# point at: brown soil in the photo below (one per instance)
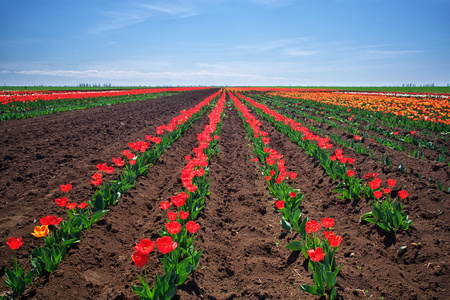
(244, 255)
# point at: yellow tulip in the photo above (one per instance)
(40, 231)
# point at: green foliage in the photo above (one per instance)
(388, 215)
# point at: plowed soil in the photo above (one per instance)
(244, 255)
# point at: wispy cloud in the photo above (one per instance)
(376, 54)
(299, 52)
(128, 13)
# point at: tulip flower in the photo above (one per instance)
(71, 205)
(145, 246)
(14, 243)
(40, 231)
(312, 226)
(172, 215)
(166, 244)
(328, 222)
(403, 194)
(255, 159)
(293, 195)
(82, 205)
(192, 227)
(334, 240)
(139, 259)
(386, 191)
(391, 182)
(61, 201)
(184, 215)
(350, 173)
(377, 194)
(179, 199)
(50, 220)
(173, 227)
(292, 175)
(316, 255)
(118, 161)
(66, 188)
(279, 204)
(164, 205)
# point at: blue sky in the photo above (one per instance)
(225, 42)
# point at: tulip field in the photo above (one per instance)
(231, 193)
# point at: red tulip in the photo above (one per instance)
(82, 205)
(350, 173)
(184, 215)
(14, 243)
(118, 161)
(164, 205)
(109, 170)
(187, 157)
(61, 202)
(50, 220)
(375, 184)
(391, 182)
(377, 194)
(326, 234)
(71, 205)
(312, 226)
(386, 191)
(166, 244)
(145, 246)
(293, 195)
(403, 194)
(328, 222)
(255, 159)
(192, 227)
(179, 199)
(316, 255)
(334, 240)
(173, 227)
(172, 215)
(279, 204)
(139, 259)
(66, 188)
(272, 172)
(292, 175)
(132, 162)
(350, 160)
(96, 179)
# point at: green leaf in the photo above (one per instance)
(285, 224)
(99, 204)
(294, 246)
(97, 215)
(309, 289)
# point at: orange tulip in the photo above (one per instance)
(40, 231)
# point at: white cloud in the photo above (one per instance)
(129, 13)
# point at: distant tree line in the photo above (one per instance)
(422, 85)
(84, 85)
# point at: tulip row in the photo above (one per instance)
(177, 238)
(24, 105)
(321, 255)
(274, 169)
(82, 216)
(387, 216)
